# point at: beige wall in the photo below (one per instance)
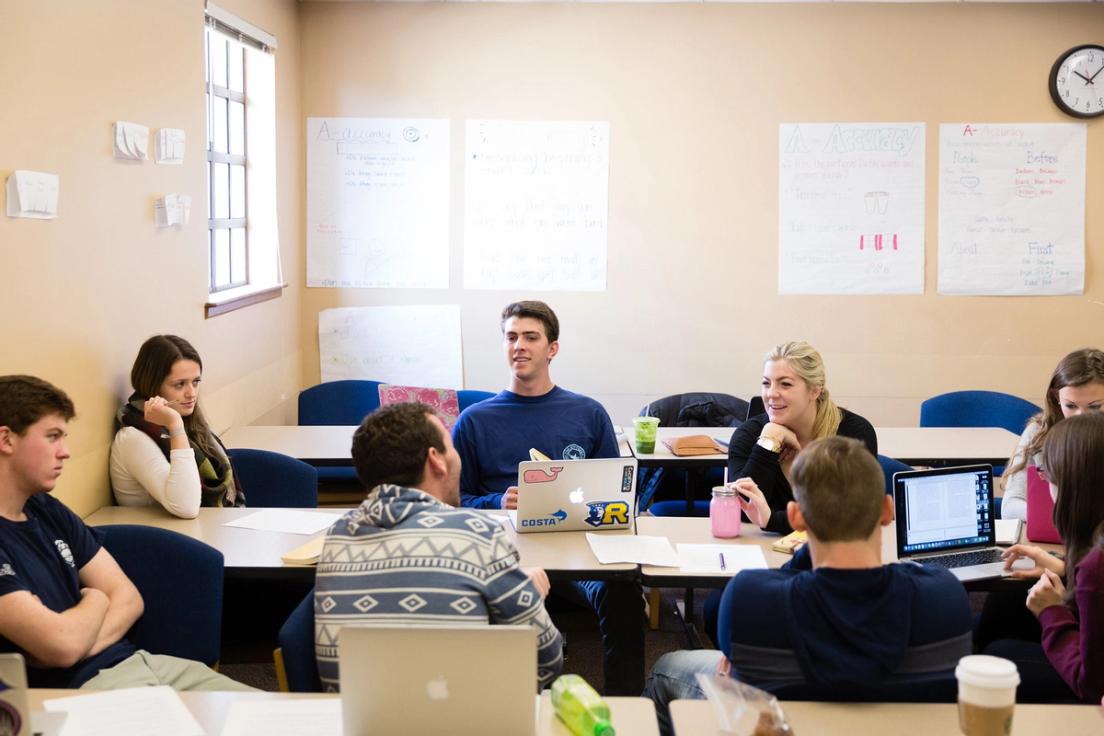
(694, 95)
(80, 293)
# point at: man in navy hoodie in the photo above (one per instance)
(833, 621)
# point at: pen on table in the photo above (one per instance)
(721, 555)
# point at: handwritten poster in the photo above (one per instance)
(409, 345)
(377, 203)
(535, 205)
(1011, 208)
(851, 208)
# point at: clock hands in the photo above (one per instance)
(1087, 80)
(1101, 69)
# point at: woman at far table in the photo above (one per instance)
(798, 411)
(164, 452)
(1076, 387)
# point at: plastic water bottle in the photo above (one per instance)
(580, 708)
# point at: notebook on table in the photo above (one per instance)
(1040, 509)
(422, 680)
(576, 495)
(945, 519)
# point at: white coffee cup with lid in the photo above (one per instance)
(986, 695)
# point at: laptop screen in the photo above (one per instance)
(944, 509)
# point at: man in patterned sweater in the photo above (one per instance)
(408, 555)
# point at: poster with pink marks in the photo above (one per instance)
(851, 208)
(1012, 208)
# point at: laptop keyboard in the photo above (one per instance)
(963, 559)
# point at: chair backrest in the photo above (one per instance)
(271, 479)
(469, 396)
(180, 580)
(755, 407)
(936, 687)
(889, 467)
(338, 402)
(697, 409)
(977, 409)
(296, 640)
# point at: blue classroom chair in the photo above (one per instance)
(271, 479)
(977, 409)
(467, 397)
(183, 600)
(343, 403)
(296, 666)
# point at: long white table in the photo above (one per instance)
(629, 715)
(946, 445)
(696, 718)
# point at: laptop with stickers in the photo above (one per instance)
(576, 495)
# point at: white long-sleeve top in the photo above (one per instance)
(141, 476)
(1014, 503)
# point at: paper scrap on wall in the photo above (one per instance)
(1011, 208)
(130, 140)
(173, 209)
(170, 146)
(536, 204)
(409, 345)
(851, 208)
(377, 202)
(32, 194)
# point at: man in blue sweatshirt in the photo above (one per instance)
(495, 435)
(833, 621)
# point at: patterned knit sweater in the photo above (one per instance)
(403, 557)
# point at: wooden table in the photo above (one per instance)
(248, 552)
(663, 457)
(695, 718)
(939, 446)
(316, 445)
(630, 715)
(564, 555)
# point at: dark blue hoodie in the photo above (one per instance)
(843, 629)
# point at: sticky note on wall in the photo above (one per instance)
(33, 194)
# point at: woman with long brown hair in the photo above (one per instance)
(1076, 387)
(164, 451)
(1071, 612)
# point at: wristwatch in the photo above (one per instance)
(770, 443)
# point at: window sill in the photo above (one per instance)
(233, 299)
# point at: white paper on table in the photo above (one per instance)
(378, 203)
(317, 716)
(138, 711)
(288, 521)
(1012, 208)
(707, 558)
(643, 550)
(416, 345)
(851, 208)
(536, 204)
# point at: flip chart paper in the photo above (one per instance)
(410, 345)
(1011, 208)
(851, 208)
(377, 202)
(535, 205)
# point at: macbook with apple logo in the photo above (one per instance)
(576, 495)
(457, 680)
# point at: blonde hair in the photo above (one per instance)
(809, 367)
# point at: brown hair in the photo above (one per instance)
(839, 486)
(809, 366)
(26, 399)
(391, 444)
(154, 363)
(535, 310)
(1079, 368)
(1073, 458)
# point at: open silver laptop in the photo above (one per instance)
(945, 519)
(576, 495)
(456, 680)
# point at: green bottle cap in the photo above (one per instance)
(603, 728)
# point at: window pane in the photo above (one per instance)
(218, 124)
(207, 56)
(210, 188)
(236, 79)
(237, 128)
(237, 256)
(222, 190)
(222, 259)
(218, 59)
(237, 191)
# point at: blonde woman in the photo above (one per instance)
(798, 411)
